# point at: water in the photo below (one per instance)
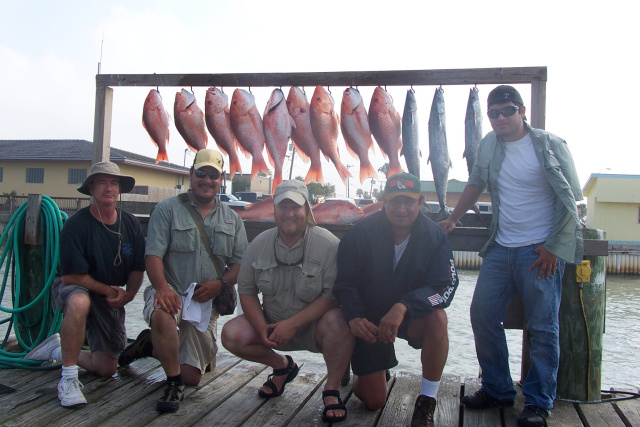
(621, 339)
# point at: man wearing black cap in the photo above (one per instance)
(101, 267)
(535, 229)
(293, 265)
(395, 278)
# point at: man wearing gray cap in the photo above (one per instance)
(183, 270)
(101, 267)
(294, 266)
(535, 230)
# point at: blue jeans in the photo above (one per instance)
(505, 272)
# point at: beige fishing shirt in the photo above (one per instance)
(287, 290)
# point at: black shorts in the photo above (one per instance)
(369, 358)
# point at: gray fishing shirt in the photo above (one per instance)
(173, 236)
(565, 239)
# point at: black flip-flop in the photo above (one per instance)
(334, 406)
(291, 371)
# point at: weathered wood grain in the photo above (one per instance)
(402, 397)
(474, 417)
(564, 414)
(448, 409)
(601, 415)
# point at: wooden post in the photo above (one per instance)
(32, 273)
(582, 328)
(102, 124)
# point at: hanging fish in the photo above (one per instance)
(246, 124)
(337, 212)
(355, 130)
(189, 120)
(439, 152)
(410, 141)
(217, 118)
(155, 120)
(324, 124)
(302, 135)
(386, 127)
(258, 211)
(277, 132)
(472, 128)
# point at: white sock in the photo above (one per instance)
(70, 372)
(430, 388)
(56, 354)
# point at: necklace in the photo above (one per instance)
(118, 259)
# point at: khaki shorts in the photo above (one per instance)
(105, 330)
(197, 348)
(304, 339)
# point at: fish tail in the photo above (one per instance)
(342, 170)
(162, 156)
(234, 165)
(277, 180)
(314, 174)
(258, 165)
(367, 170)
(394, 167)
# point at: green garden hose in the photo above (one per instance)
(48, 319)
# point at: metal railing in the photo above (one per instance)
(70, 205)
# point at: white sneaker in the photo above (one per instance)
(44, 349)
(70, 394)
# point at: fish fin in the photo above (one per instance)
(162, 156)
(394, 167)
(303, 156)
(442, 215)
(234, 165)
(428, 159)
(244, 151)
(258, 165)
(351, 152)
(342, 171)
(367, 171)
(271, 161)
(314, 174)
(277, 180)
(450, 164)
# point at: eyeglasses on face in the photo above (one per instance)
(201, 174)
(506, 112)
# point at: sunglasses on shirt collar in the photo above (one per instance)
(201, 174)
(506, 112)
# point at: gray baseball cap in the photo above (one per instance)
(297, 192)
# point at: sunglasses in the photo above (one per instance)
(506, 112)
(201, 174)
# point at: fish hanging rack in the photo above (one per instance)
(105, 83)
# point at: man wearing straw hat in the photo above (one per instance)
(101, 267)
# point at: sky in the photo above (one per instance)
(49, 55)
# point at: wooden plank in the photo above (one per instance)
(102, 124)
(280, 411)
(538, 103)
(478, 417)
(628, 410)
(448, 409)
(600, 415)
(400, 401)
(468, 76)
(311, 413)
(510, 415)
(32, 220)
(204, 400)
(564, 414)
(595, 247)
(31, 392)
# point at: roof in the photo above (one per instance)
(594, 176)
(74, 150)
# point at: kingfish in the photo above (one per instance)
(324, 125)
(386, 127)
(355, 130)
(472, 128)
(155, 120)
(218, 120)
(246, 124)
(410, 141)
(277, 132)
(439, 152)
(189, 120)
(302, 135)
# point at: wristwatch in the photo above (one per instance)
(224, 282)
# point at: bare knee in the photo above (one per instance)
(78, 305)
(105, 371)
(190, 375)
(333, 324)
(371, 390)
(236, 334)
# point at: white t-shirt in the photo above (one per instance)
(400, 250)
(526, 197)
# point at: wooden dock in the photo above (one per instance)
(228, 397)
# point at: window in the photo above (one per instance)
(35, 175)
(0, 174)
(76, 176)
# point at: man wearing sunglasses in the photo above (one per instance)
(181, 270)
(535, 229)
(294, 266)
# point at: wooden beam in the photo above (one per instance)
(102, 124)
(538, 103)
(468, 76)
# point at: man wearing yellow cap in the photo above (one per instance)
(293, 265)
(181, 272)
(395, 277)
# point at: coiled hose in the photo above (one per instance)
(47, 319)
